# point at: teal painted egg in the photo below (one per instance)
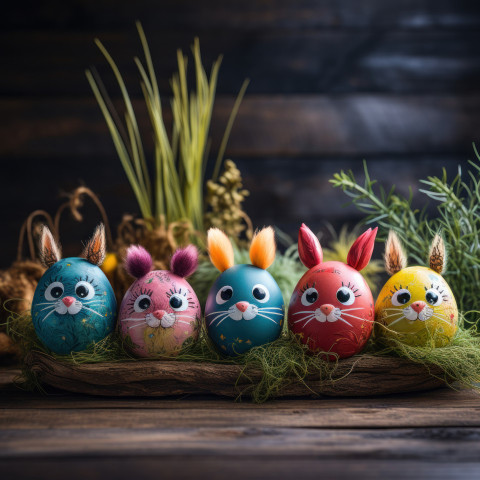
(73, 306)
(244, 309)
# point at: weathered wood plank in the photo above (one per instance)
(448, 444)
(248, 14)
(309, 125)
(289, 416)
(233, 467)
(278, 62)
(441, 399)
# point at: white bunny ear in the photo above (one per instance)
(50, 251)
(438, 255)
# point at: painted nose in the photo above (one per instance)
(327, 309)
(418, 306)
(242, 306)
(159, 314)
(67, 301)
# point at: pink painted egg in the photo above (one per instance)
(160, 312)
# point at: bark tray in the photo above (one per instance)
(364, 375)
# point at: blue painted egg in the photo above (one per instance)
(73, 306)
(244, 309)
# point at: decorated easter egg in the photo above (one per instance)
(331, 310)
(74, 305)
(416, 305)
(245, 305)
(160, 312)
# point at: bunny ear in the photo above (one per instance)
(309, 248)
(361, 251)
(220, 249)
(263, 248)
(438, 255)
(395, 258)
(138, 262)
(50, 251)
(184, 261)
(95, 250)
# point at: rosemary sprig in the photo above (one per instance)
(457, 218)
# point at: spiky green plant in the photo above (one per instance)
(175, 192)
(457, 217)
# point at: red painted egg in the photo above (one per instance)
(332, 307)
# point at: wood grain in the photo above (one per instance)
(234, 467)
(406, 444)
(277, 62)
(356, 376)
(196, 416)
(245, 15)
(309, 125)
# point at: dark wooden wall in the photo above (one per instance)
(332, 82)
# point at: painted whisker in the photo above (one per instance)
(305, 318)
(46, 308)
(344, 321)
(46, 303)
(303, 311)
(218, 316)
(268, 318)
(351, 309)
(308, 321)
(213, 313)
(132, 319)
(353, 316)
(226, 316)
(137, 325)
(48, 314)
(396, 321)
(93, 311)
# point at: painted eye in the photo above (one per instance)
(401, 297)
(261, 293)
(224, 294)
(345, 296)
(309, 297)
(84, 290)
(142, 303)
(54, 291)
(433, 297)
(178, 302)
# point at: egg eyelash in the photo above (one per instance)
(437, 288)
(397, 289)
(51, 280)
(90, 281)
(142, 291)
(171, 292)
(353, 288)
(306, 287)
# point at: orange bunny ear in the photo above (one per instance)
(309, 248)
(50, 251)
(220, 249)
(361, 251)
(262, 248)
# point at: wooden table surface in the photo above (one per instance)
(67, 436)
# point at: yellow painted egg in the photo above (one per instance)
(416, 305)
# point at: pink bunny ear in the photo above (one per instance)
(138, 261)
(184, 261)
(361, 251)
(309, 248)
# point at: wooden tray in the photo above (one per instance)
(369, 375)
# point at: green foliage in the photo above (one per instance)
(457, 219)
(175, 193)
